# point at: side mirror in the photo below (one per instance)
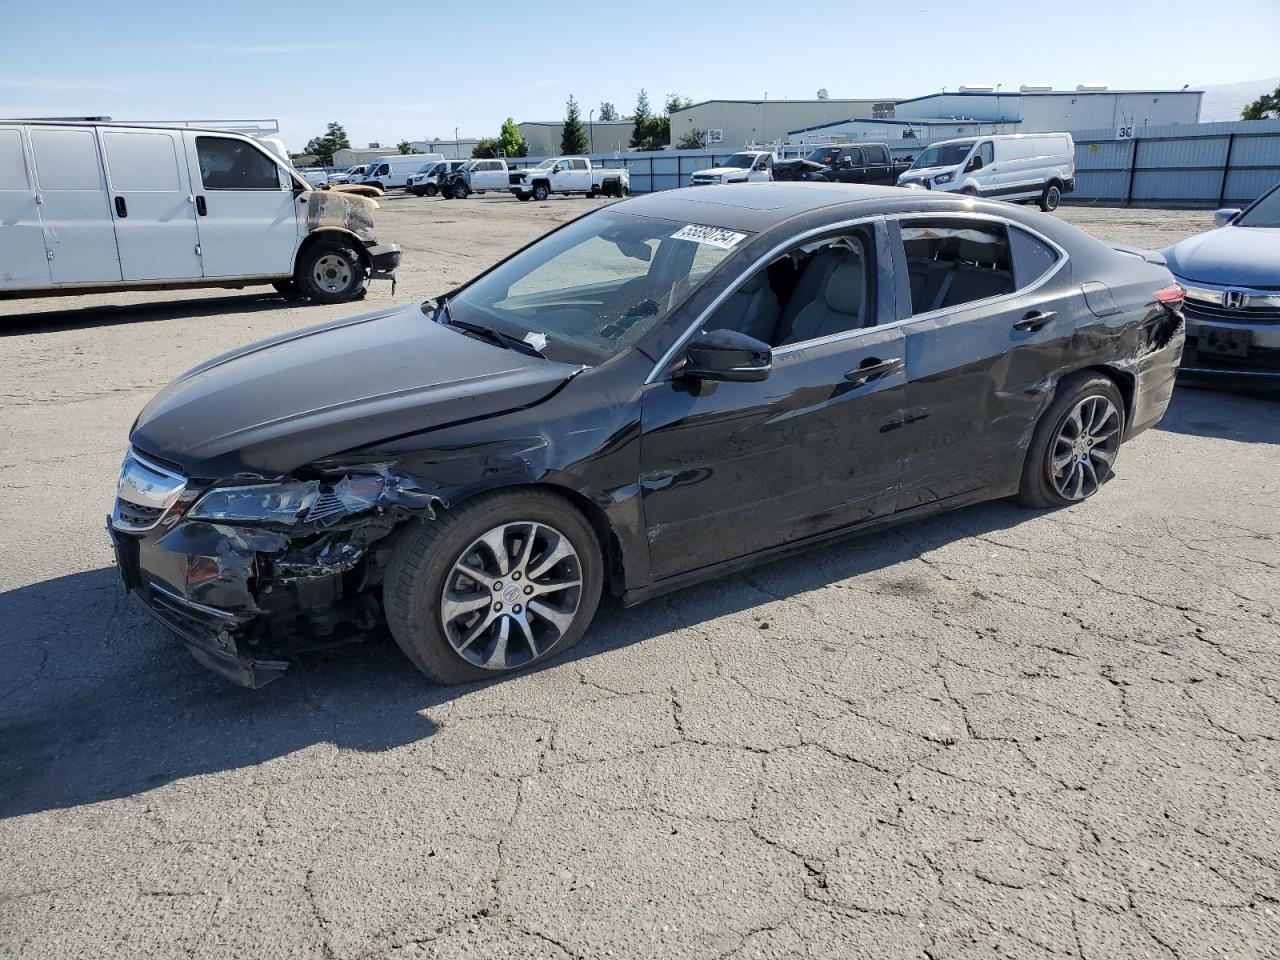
(1224, 216)
(727, 355)
(974, 164)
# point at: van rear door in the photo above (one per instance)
(25, 264)
(152, 203)
(246, 210)
(75, 216)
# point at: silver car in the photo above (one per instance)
(1231, 276)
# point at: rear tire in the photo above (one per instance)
(331, 271)
(1051, 197)
(451, 627)
(1076, 440)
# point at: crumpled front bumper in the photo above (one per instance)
(383, 260)
(211, 634)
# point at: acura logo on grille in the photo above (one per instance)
(1234, 299)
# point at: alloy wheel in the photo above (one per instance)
(1085, 448)
(511, 595)
(332, 273)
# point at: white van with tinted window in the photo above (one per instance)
(395, 171)
(1021, 167)
(88, 208)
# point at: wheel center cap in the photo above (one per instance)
(511, 594)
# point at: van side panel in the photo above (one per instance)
(154, 211)
(23, 262)
(74, 211)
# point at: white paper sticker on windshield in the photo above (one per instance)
(711, 236)
(536, 340)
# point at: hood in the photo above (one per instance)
(925, 173)
(721, 171)
(1243, 256)
(279, 404)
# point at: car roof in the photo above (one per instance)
(758, 207)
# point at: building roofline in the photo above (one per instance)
(1036, 93)
(703, 103)
(560, 123)
(932, 122)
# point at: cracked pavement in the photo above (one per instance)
(998, 732)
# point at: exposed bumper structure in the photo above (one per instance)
(383, 260)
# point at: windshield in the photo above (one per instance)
(595, 287)
(426, 168)
(740, 161)
(825, 155)
(545, 163)
(943, 155)
(1264, 213)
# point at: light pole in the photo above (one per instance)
(457, 145)
(591, 130)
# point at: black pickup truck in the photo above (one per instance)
(844, 163)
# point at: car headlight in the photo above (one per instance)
(944, 178)
(289, 502)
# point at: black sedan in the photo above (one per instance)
(664, 390)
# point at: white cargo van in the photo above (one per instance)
(1020, 167)
(395, 171)
(90, 207)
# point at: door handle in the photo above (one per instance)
(200, 207)
(873, 368)
(1035, 320)
(122, 209)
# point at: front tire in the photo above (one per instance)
(494, 585)
(461, 191)
(540, 192)
(1051, 197)
(524, 197)
(331, 272)
(1074, 447)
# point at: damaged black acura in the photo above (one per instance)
(666, 389)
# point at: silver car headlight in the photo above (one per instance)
(288, 502)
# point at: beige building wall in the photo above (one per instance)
(744, 121)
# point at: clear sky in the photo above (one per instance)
(392, 71)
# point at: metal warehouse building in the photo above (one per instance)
(765, 121)
(604, 136)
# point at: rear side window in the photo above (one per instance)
(1032, 257)
(578, 164)
(951, 262)
(139, 162)
(66, 159)
(876, 154)
(234, 165)
(13, 162)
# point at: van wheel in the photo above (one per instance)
(1074, 447)
(331, 272)
(1050, 198)
(540, 192)
(377, 184)
(969, 192)
(493, 585)
(431, 190)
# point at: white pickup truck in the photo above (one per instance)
(745, 167)
(569, 175)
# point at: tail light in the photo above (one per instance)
(1170, 297)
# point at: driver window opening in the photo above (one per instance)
(816, 290)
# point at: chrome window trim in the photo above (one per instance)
(1063, 258)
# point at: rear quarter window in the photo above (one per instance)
(1032, 257)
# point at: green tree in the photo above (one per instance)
(1267, 105)
(692, 140)
(640, 122)
(608, 111)
(573, 139)
(486, 149)
(510, 142)
(404, 146)
(324, 147)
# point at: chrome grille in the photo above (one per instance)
(144, 494)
